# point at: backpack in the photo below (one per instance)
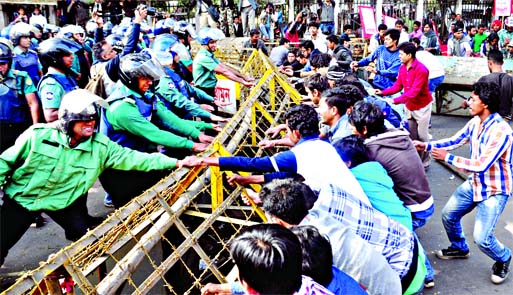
(96, 84)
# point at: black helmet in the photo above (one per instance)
(5, 53)
(79, 105)
(53, 50)
(116, 41)
(135, 65)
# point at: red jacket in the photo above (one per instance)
(414, 82)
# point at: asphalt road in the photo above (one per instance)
(469, 276)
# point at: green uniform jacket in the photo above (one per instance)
(167, 91)
(124, 115)
(46, 174)
(203, 69)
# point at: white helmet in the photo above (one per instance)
(79, 105)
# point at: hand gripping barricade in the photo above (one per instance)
(192, 213)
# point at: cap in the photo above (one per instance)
(496, 23)
(509, 21)
(458, 29)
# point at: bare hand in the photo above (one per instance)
(464, 104)
(205, 138)
(140, 15)
(419, 145)
(191, 161)
(288, 71)
(248, 83)
(273, 131)
(237, 179)
(221, 103)
(439, 154)
(354, 64)
(217, 128)
(254, 196)
(216, 289)
(199, 147)
(266, 144)
(377, 91)
(250, 79)
(217, 118)
(371, 69)
(207, 107)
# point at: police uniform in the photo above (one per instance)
(15, 114)
(52, 88)
(29, 62)
(203, 71)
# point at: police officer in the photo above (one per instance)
(18, 104)
(57, 53)
(81, 62)
(168, 52)
(173, 99)
(52, 166)
(137, 120)
(25, 59)
(205, 65)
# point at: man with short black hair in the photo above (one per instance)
(255, 42)
(318, 38)
(459, 45)
(387, 61)
(399, 25)
(342, 54)
(489, 185)
(413, 80)
(505, 82)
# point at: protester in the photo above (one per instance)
(413, 81)
(489, 185)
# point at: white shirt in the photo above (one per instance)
(319, 42)
(431, 62)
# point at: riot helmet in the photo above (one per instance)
(5, 54)
(116, 41)
(79, 105)
(20, 30)
(107, 28)
(136, 65)
(53, 50)
(207, 34)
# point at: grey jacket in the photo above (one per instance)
(395, 151)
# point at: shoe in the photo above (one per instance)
(451, 253)
(500, 271)
(39, 221)
(107, 201)
(428, 284)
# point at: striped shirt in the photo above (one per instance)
(388, 237)
(490, 155)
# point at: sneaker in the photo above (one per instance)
(451, 253)
(107, 201)
(428, 284)
(39, 222)
(500, 271)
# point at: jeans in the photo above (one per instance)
(248, 19)
(327, 28)
(434, 83)
(417, 223)
(488, 213)
(266, 32)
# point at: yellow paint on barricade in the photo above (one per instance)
(193, 213)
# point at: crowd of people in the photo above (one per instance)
(125, 104)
